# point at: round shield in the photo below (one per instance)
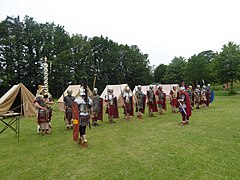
(212, 96)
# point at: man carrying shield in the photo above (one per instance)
(185, 106)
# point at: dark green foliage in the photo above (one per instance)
(159, 73)
(176, 71)
(227, 64)
(199, 68)
(24, 44)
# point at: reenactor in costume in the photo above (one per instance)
(97, 108)
(174, 99)
(151, 101)
(140, 101)
(128, 103)
(112, 108)
(85, 112)
(68, 100)
(184, 106)
(161, 99)
(208, 95)
(191, 96)
(204, 96)
(197, 95)
(50, 102)
(44, 113)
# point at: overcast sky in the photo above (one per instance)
(162, 29)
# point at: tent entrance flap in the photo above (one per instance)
(17, 103)
(18, 99)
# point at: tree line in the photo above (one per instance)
(24, 43)
(205, 67)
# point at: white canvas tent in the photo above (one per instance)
(18, 99)
(166, 88)
(75, 93)
(116, 91)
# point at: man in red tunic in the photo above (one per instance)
(185, 106)
(112, 108)
(152, 107)
(128, 103)
(173, 99)
(161, 99)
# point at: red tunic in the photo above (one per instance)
(188, 104)
(161, 101)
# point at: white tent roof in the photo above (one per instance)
(116, 91)
(19, 99)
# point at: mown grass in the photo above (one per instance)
(150, 148)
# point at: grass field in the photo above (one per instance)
(150, 148)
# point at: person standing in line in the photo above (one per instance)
(68, 100)
(151, 101)
(128, 103)
(185, 106)
(85, 112)
(173, 99)
(204, 96)
(112, 108)
(161, 99)
(191, 96)
(97, 107)
(197, 94)
(140, 101)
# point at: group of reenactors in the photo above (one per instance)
(90, 108)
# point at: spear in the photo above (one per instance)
(94, 81)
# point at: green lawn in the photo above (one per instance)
(150, 148)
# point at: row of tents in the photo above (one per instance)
(20, 99)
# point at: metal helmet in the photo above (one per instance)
(95, 91)
(69, 92)
(198, 86)
(82, 92)
(110, 90)
(204, 87)
(139, 87)
(182, 88)
(208, 85)
(190, 87)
